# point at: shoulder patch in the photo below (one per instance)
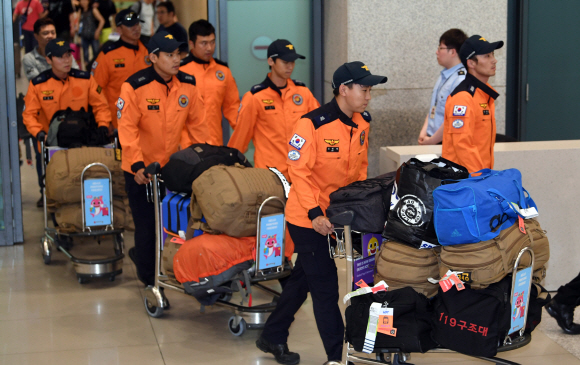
(43, 77)
(111, 47)
(79, 74)
(318, 119)
(140, 78)
(466, 86)
(461, 72)
(366, 116)
(186, 78)
(220, 62)
(299, 83)
(258, 88)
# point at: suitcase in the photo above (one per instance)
(488, 262)
(63, 173)
(400, 266)
(176, 213)
(229, 198)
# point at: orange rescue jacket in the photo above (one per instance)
(47, 94)
(469, 125)
(268, 116)
(219, 92)
(113, 66)
(328, 150)
(152, 116)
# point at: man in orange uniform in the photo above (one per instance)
(62, 87)
(469, 125)
(328, 150)
(270, 110)
(121, 59)
(154, 107)
(214, 81)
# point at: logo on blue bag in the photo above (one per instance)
(456, 233)
(411, 210)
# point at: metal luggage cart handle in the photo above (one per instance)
(255, 269)
(508, 339)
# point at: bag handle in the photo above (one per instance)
(506, 205)
(484, 174)
(473, 230)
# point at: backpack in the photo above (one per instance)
(186, 165)
(69, 128)
(87, 25)
(369, 199)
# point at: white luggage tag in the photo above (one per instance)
(527, 213)
(283, 180)
(451, 278)
(365, 289)
(371, 334)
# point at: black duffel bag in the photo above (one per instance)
(186, 165)
(411, 317)
(410, 219)
(75, 128)
(473, 322)
(368, 199)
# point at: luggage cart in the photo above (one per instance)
(395, 356)
(244, 316)
(54, 239)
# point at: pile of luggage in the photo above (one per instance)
(210, 217)
(452, 240)
(63, 186)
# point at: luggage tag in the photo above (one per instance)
(521, 224)
(527, 213)
(385, 325)
(380, 286)
(371, 334)
(448, 281)
(432, 112)
(118, 156)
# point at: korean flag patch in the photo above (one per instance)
(297, 141)
(459, 110)
(120, 104)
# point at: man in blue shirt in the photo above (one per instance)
(453, 73)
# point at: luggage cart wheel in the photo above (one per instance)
(82, 280)
(46, 259)
(239, 329)
(112, 278)
(119, 244)
(46, 251)
(152, 309)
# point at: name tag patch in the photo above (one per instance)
(119, 65)
(47, 98)
(459, 110)
(486, 112)
(331, 149)
(458, 123)
(270, 107)
(152, 107)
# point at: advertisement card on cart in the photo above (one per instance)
(97, 202)
(364, 266)
(271, 252)
(520, 299)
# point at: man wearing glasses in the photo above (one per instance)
(120, 59)
(453, 73)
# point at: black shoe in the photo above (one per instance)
(40, 202)
(281, 352)
(132, 257)
(564, 315)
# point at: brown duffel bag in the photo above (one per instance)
(69, 219)
(63, 173)
(170, 247)
(488, 262)
(229, 198)
(400, 266)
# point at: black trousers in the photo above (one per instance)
(144, 218)
(314, 272)
(569, 294)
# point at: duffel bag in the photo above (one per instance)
(411, 318)
(63, 173)
(490, 261)
(410, 218)
(473, 322)
(478, 208)
(400, 266)
(206, 264)
(186, 165)
(69, 219)
(368, 199)
(229, 198)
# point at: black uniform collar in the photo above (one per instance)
(56, 78)
(190, 57)
(474, 81)
(155, 76)
(336, 111)
(268, 83)
(129, 45)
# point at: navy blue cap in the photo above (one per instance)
(477, 45)
(127, 17)
(284, 50)
(356, 72)
(57, 48)
(163, 42)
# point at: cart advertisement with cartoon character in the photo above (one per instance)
(521, 293)
(363, 266)
(97, 202)
(271, 238)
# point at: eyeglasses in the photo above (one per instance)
(131, 16)
(442, 48)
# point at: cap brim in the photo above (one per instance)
(169, 48)
(291, 57)
(131, 23)
(371, 80)
(490, 47)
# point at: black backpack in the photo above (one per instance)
(74, 129)
(411, 317)
(186, 165)
(473, 322)
(369, 199)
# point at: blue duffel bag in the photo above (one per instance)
(479, 207)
